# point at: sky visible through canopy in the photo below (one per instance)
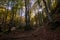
(31, 3)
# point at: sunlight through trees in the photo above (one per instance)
(25, 13)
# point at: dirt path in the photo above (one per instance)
(39, 34)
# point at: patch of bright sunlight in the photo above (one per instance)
(8, 7)
(32, 15)
(40, 10)
(23, 14)
(53, 3)
(2, 9)
(34, 23)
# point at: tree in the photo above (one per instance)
(27, 16)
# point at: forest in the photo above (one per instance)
(27, 15)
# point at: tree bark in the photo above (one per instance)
(27, 16)
(47, 11)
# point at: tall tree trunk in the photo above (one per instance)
(40, 14)
(27, 16)
(47, 11)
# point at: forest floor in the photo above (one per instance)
(43, 33)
